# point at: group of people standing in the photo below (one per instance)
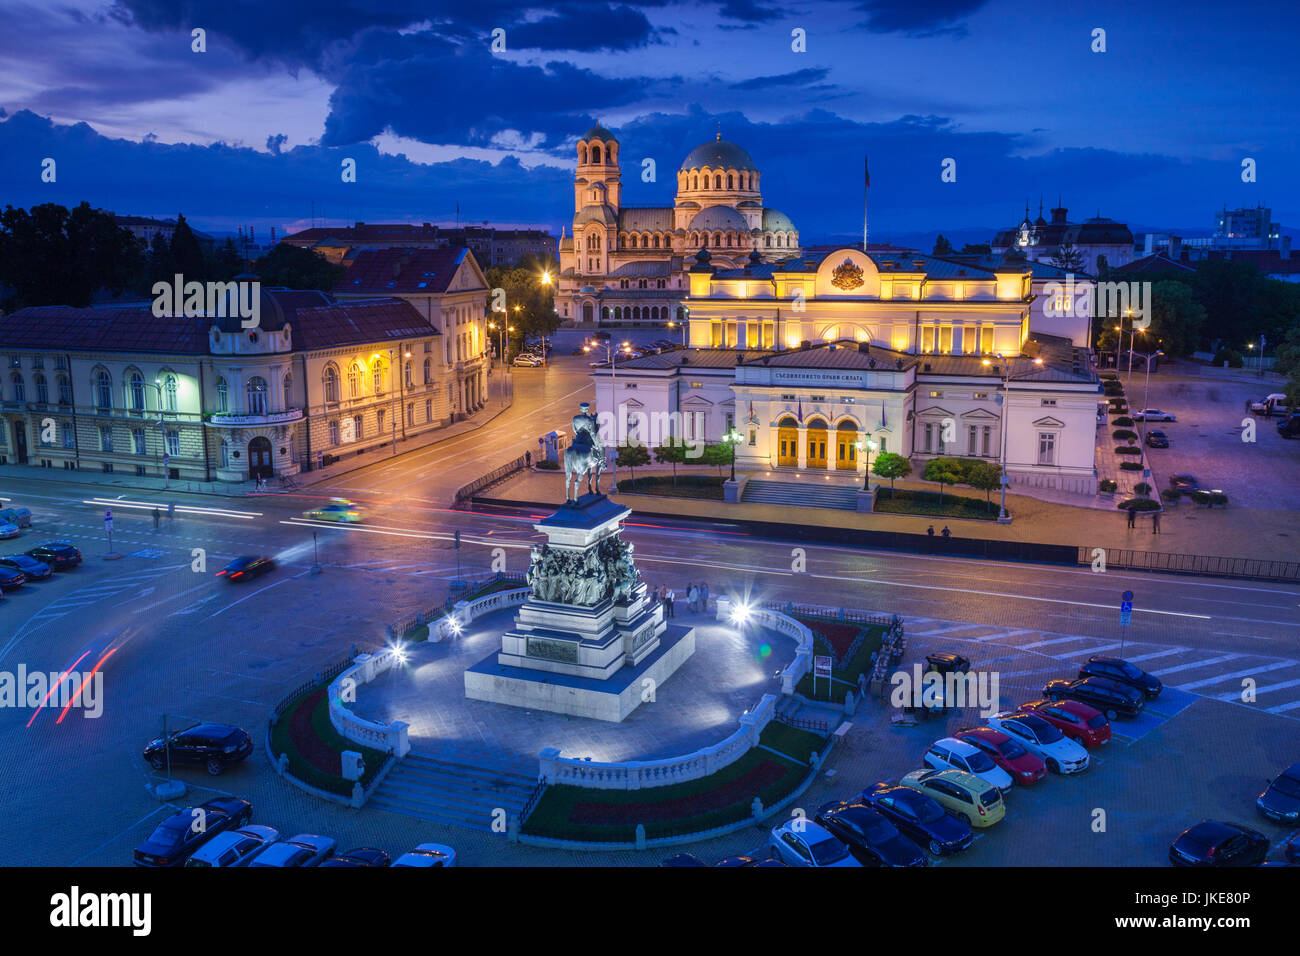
(697, 599)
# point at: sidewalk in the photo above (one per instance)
(1186, 529)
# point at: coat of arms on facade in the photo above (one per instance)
(847, 275)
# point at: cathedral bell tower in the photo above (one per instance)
(597, 191)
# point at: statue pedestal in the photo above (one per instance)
(589, 641)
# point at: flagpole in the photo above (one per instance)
(866, 188)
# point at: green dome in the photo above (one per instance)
(719, 155)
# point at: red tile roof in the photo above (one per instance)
(357, 322)
(397, 271)
(62, 328)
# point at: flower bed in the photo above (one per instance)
(314, 748)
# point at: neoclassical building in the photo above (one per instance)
(627, 264)
(820, 363)
(201, 398)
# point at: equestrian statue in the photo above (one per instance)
(584, 456)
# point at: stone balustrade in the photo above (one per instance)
(389, 738)
(466, 611)
(782, 624)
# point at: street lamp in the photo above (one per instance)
(731, 438)
(1007, 378)
(501, 340)
(679, 325)
(613, 385)
(162, 435)
(869, 445)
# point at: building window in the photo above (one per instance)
(169, 393)
(1047, 448)
(972, 433)
(936, 394)
(287, 386)
(331, 385)
(256, 395)
(223, 397)
(410, 414)
(410, 374)
(377, 377)
(379, 422)
(357, 427)
(103, 391)
(927, 431)
(42, 390)
(225, 451)
(428, 410)
(980, 395)
(986, 339)
(428, 372)
(174, 444)
(1049, 403)
(106, 438)
(135, 392)
(334, 433)
(69, 436)
(354, 380)
(138, 445)
(988, 432)
(65, 390)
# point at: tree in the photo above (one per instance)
(1176, 319)
(716, 454)
(1068, 257)
(985, 476)
(159, 266)
(942, 247)
(51, 255)
(672, 452)
(227, 263)
(946, 471)
(976, 248)
(187, 254)
(296, 268)
(632, 455)
(891, 466)
(535, 301)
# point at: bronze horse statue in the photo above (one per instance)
(584, 456)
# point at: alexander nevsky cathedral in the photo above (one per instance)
(629, 263)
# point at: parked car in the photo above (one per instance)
(1153, 415)
(1289, 427)
(337, 510)
(11, 578)
(213, 746)
(527, 361)
(361, 856)
(1280, 800)
(19, 516)
(1215, 843)
(1183, 484)
(920, 818)
(870, 837)
(1157, 439)
(1025, 768)
(428, 855)
(801, 842)
(1110, 697)
(1076, 720)
(8, 530)
(247, 568)
(305, 849)
(234, 847)
(949, 753)
(1275, 404)
(173, 840)
(967, 797)
(32, 569)
(1122, 672)
(60, 555)
(678, 859)
(1059, 753)
(947, 663)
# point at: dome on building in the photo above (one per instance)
(599, 132)
(601, 214)
(776, 221)
(720, 217)
(719, 154)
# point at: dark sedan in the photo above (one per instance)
(60, 555)
(1280, 800)
(1184, 484)
(1157, 439)
(871, 838)
(361, 856)
(172, 842)
(920, 818)
(11, 578)
(32, 569)
(1122, 672)
(1215, 843)
(1110, 697)
(212, 746)
(246, 568)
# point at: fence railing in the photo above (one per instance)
(828, 613)
(815, 724)
(531, 803)
(319, 679)
(1260, 569)
(467, 491)
(421, 618)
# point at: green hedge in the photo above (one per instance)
(686, 486)
(1123, 434)
(1139, 504)
(1131, 465)
(1124, 422)
(901, 502)
(1127, 450)
(1107, 484)
(547, 465)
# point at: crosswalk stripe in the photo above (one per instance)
(1194, 664)
(1282, 708)
(1091, 650)
(1277, 665)
(1236, 694)
(1166, 652)
(1057, 640)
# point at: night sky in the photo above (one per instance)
(1153, 131)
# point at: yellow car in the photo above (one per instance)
(339, 509)
(967, 797)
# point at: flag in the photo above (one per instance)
(751, 418)
(866, 172)
(882, 413)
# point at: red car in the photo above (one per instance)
(1024, 767)
(1077, 721)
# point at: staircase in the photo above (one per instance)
(451, 792)
(804, 494)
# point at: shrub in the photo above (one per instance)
(1107, 485)
(1170, 494)
(1142, 488)
(1107, 375)
(1210, 498)
(547, 465)
(1139, 504)
(1231, 356)
(1131, 465)
(1124, 422)
(1127, 450)
(1113, 388)
(1123, 434)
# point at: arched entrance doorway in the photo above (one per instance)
(846, 449)
(259, 458)
(816, 443)
(588, 312)
(787, 438)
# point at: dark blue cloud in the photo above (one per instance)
(797, 78)
(926, 18)
(584, 27)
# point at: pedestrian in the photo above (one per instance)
(1132, 518)
(1155, 522)
(157, 518)
(171, 513)
(693, 599)
(945, 532)
(528, 459)
(930, 531)
(668, 595)
(704, 598)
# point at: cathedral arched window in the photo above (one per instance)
(717, 181)
(582, 153)
(595, 154)
(655, 241)
(767, 241)
(695, 182)
(728, 240)
(731, 181)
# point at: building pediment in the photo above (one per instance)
(1049, 422)
(980, 413)
(936, 411)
